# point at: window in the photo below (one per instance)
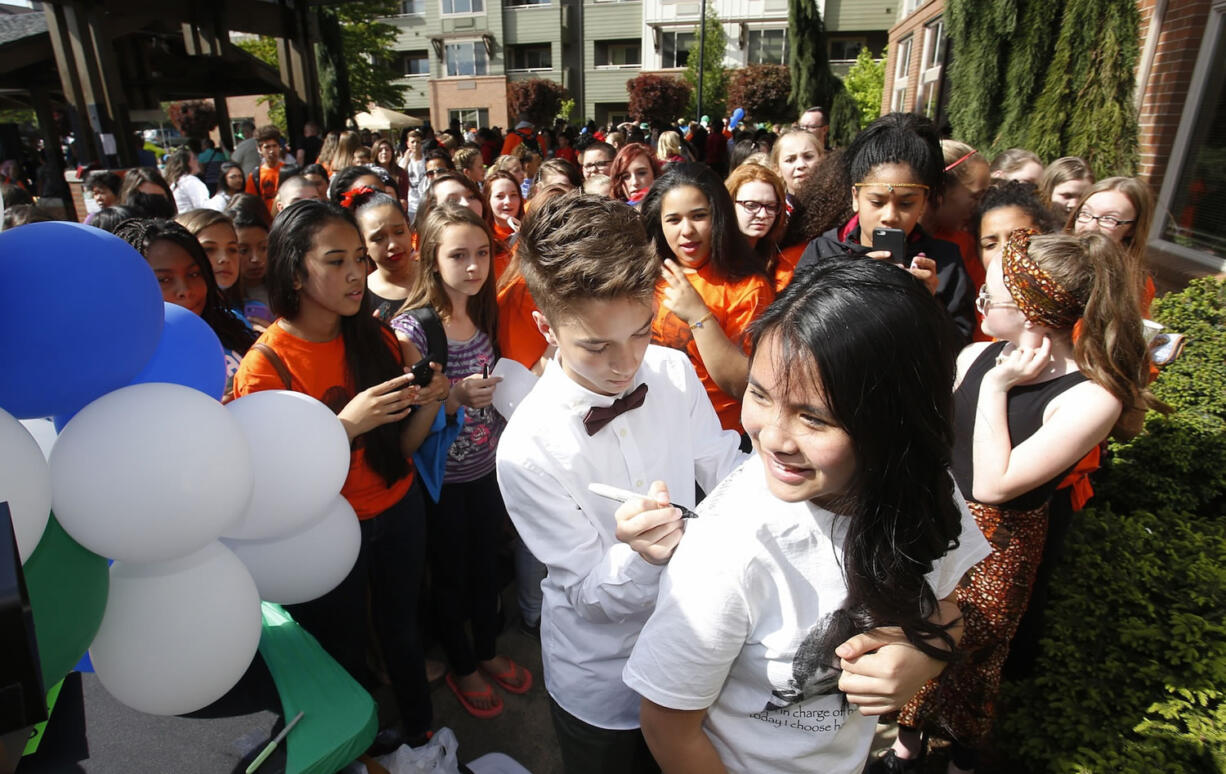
(415, 63)
(413, 7)
(675, 48)
(767, 47)
(843, 49)
(1195, 184)
(514, 3)
(902, 68)
(467, 116)
(619, 53)
(538, 56)
(451, 7)
(466, 58)
(934, 44)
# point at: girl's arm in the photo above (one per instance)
(727, 364)
(882, 670)
(1075, 422)
(677, 740)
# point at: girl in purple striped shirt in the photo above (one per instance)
(455, 277)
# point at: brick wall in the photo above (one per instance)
(912, 26)
(489, 91)
(1166, 90)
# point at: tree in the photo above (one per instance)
(864, 83)
(538, 99)
(764, 91)
(1085, 108)
(193, 117)
(714, 76)
(981, 31)
(813, 83)
(265, 49)
(1027, 58)
(367, 52)
(659, 99)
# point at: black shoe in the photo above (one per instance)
(387, 740)
(892, 764)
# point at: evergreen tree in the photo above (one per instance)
(1027, 58)
(865, 82)
(1085, 108)
(981, 31)
(813, 83)
(714, 76)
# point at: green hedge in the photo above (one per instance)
(1132, 673)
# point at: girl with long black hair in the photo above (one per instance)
(815, 589)
(331, 347)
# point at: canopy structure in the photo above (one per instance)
(380, 119)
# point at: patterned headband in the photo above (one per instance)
(1039, 297)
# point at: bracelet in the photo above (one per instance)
(701, 321)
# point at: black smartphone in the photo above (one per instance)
(894, 241)
(422, 372)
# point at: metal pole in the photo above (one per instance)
(702, 50)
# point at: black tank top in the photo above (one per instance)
(1025, 405)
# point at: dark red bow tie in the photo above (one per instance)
(599, 416)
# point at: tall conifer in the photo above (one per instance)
(813, 83)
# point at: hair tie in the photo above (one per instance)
(353, 193)
(1038, 296)
(950, 167)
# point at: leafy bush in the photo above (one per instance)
(864, 82)
(537, 99)
(659, 99)
(763, 91)
(1132, 673)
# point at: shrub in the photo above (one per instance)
(659, 99)
(538, 99)
(864, 82)
(763, 91)
(1132, 673)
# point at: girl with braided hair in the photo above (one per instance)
(186, 277)
(1027, 407)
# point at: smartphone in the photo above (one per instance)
(893, 241)
(422, 372)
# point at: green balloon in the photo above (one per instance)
(68, 587)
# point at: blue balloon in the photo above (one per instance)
(189, 354)
(737, 115)
(80, 315)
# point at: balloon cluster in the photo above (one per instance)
(204, 509)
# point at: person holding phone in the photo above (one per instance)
(895, 167)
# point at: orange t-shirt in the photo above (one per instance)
(269, 181)
(785, 267)
(502, 259)
(518, 336)
(733, 304)
(318, 369)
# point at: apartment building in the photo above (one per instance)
(457, 56)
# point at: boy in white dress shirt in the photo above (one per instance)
(609, 409)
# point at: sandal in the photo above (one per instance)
(465, 698)
(515, 680)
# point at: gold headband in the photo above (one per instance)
(892, 186)
(1039, 297)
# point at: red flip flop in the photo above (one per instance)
(465, 698)
(515, 680)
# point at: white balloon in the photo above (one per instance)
(44, 433)
(25, 482)
(299, 456)
(150, 472)
(307, 564)
(177, 635)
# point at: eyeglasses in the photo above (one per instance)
(1109, 222)
(984, 302)
(594, 165)
(811, 127)
(433, 172)
(753, 208)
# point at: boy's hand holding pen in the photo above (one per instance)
(650, 524)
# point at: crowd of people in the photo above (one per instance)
(879, 376)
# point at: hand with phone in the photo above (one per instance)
(388, 401)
